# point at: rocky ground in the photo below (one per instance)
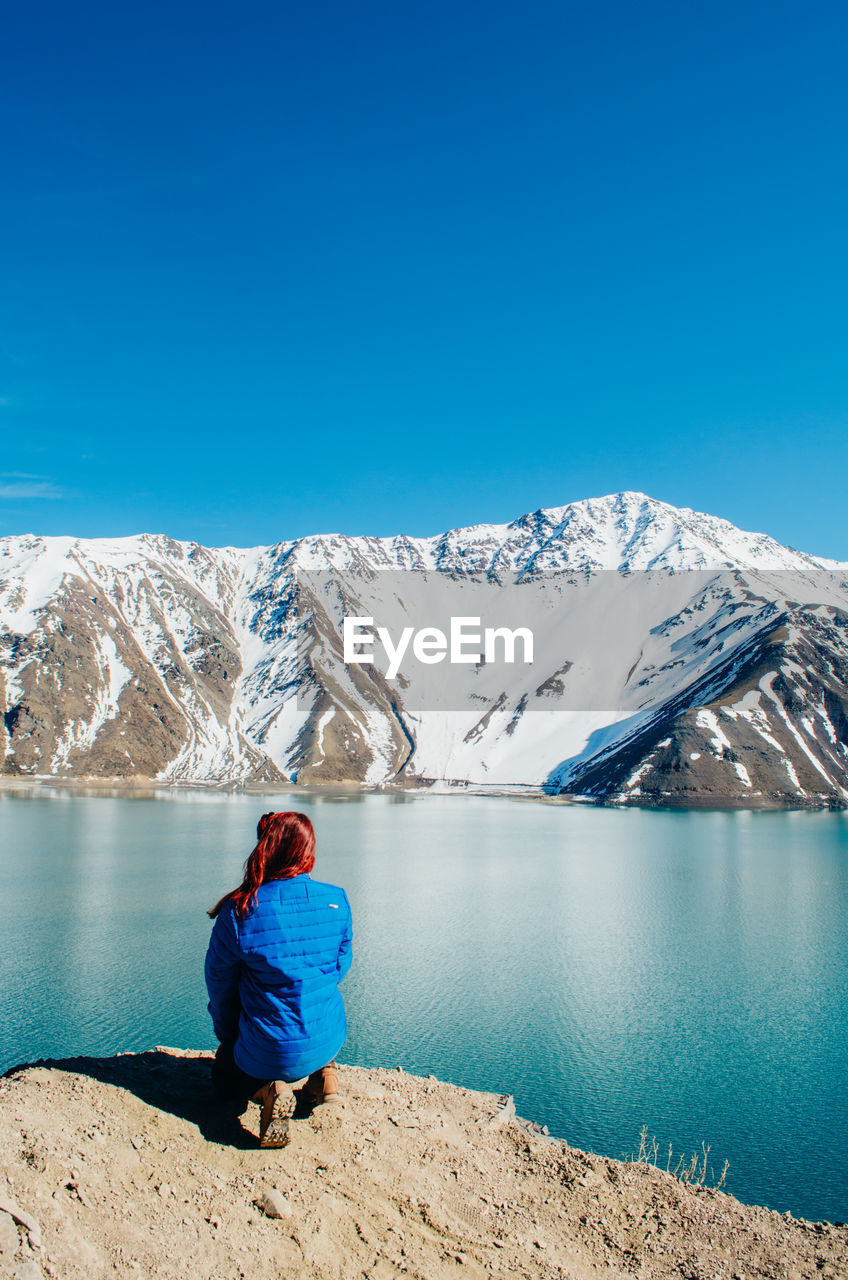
(125, 1166)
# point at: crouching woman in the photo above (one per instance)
(280, 946)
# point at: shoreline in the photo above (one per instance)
(126, 1164)
(152, 787)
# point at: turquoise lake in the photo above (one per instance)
(686, 971)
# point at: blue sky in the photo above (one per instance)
(272, 269)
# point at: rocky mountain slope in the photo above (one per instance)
(125, 1166)
(677, 660)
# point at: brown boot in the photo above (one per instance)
(323, 1085)
(277, 1102)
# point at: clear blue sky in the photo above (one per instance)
(272, 269)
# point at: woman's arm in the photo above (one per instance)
(346, 944)
(223, 970)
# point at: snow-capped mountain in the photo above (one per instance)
(677, 660)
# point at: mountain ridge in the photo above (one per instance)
(549, 517)
(152, 657)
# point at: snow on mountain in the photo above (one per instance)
(694, 663)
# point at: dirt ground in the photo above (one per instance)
(126, 1166)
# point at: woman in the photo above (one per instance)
(280, 946)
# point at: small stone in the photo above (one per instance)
(273, 1203)
(8, 1233)
(164, 1190)
(80, 1194)
(504, 1113)
(24, 1220)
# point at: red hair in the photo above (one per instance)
(285, 847)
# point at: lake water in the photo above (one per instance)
(610, 968)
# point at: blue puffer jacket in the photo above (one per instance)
(273, 977)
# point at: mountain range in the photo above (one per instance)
(679, 661)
